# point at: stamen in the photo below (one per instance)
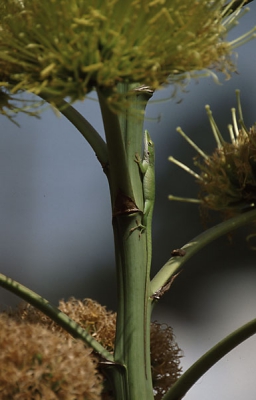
(231, 134)
(240, 112)
(246, 37)
(233, 112)
(178, 129)
(216, 132)
(185, 167)
(232, 20)
(184, 199)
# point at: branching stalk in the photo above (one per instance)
(85, 128)
(174, 264)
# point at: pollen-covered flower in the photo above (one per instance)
(65, 48)
(227, 178)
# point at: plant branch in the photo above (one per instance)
(174, 264)
(211, 357)
(85, 128)
(55, 314)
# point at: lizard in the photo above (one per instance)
(147, 169)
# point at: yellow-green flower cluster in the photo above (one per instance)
(10, 105)
(61, 48)
(227, 178)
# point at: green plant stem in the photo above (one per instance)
(124, 140)
(85, 128)
(211, 357)
(55, 314)
(118, 171)
(174, 264)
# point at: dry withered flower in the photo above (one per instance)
(38, 364)
(165, 353)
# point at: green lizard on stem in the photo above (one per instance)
(147, 168)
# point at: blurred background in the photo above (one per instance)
(56, 235)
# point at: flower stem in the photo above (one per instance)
(54, 313)
(85, 128)
(211, 357)
(175, 263)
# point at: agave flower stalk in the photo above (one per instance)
(66, 48)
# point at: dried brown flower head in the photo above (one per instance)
(37, 364)
(165, 353)
(165, 358)
(92, 316)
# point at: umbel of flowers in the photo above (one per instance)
(227, 178)
(65, 48)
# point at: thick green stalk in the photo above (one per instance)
(124, 140)
(131, 122)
